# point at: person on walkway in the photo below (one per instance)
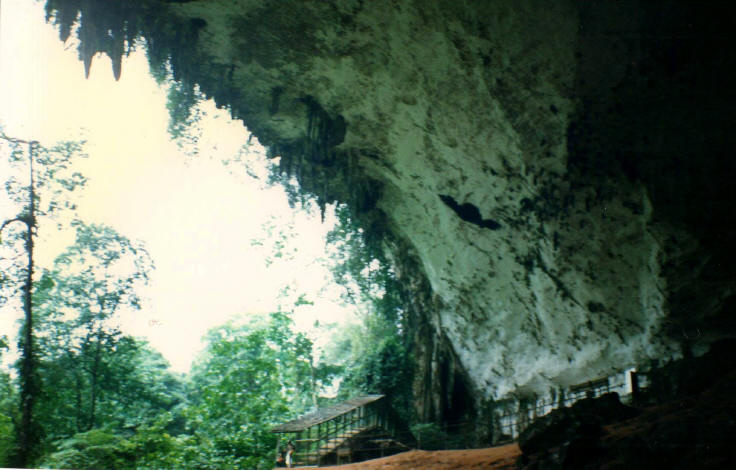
(281, 458)
(290, 448)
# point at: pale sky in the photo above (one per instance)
(196, 216)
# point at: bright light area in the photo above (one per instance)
(197, 216)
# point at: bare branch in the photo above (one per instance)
(10, 221)
(17, 141)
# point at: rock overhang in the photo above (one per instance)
(523, 158)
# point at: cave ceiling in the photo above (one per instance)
(554, 180)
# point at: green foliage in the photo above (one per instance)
(181, 103)
(53, 174)
(382, 370)
(384, 366)
(7, 431)
(91, 373)
(185, 114)
(99, 273)
(249, 378)
(38, 195)
(140, 408)
(54, 181)
(279, 241)
(8, 411)
(376, 354)
(150, 447)
(94, 449)
(429, 436)
(361, 267)
(100, 399)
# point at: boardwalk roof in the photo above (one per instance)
(326, 414)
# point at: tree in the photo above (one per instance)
(82, 348)
(38, 197)
(113, 396)
(27, 435)
(7, 412)
(249, 378)
(142, 403)
(376, 354)
(361, 267)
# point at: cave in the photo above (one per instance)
(553, 180)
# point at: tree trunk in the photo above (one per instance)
(78, 400)
(312, 382)
(29, 386)
(94, 375)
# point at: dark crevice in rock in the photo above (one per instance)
(564, 291)
(323, 171)
(676, 423)
(661, 120)
(322, 128)
(275, 97)
(469, 213)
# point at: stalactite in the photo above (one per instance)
(116, 52)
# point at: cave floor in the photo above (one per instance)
(691, 431)
(493, 458)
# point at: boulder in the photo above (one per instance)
(569, 437)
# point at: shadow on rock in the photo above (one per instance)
(570, 437)
(691, 428)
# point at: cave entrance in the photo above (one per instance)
(190, 182)
(168, 168)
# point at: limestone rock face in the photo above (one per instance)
(553, 178)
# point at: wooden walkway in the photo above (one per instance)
(328, 435)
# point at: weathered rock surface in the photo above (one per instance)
(584, 418)
(687, 429)
(554, 179)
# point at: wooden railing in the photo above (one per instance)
(314, 443)
(511, 423)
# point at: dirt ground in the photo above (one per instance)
(494, 458)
